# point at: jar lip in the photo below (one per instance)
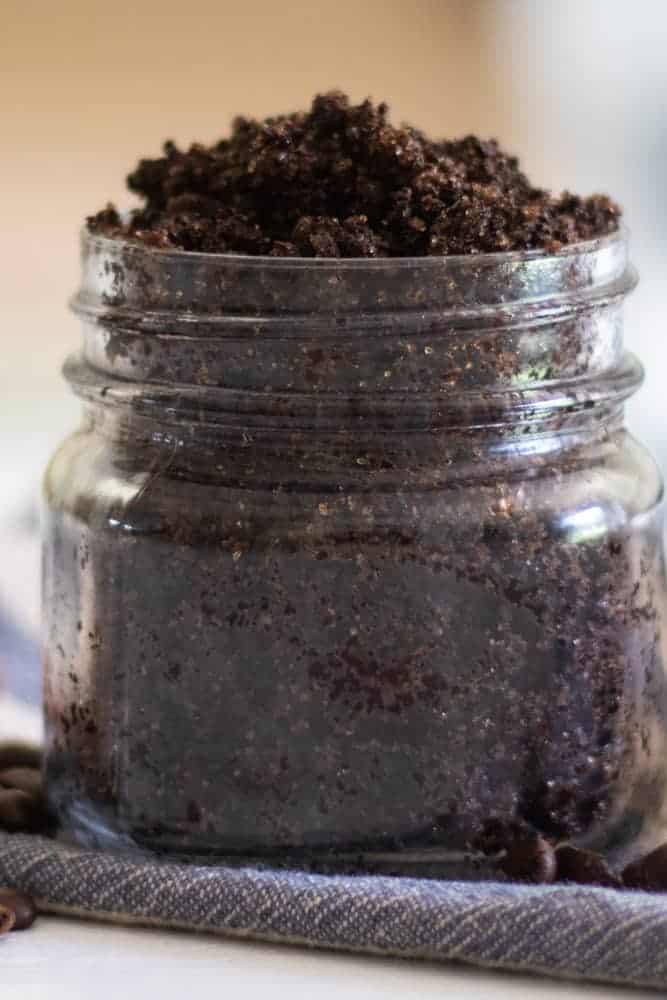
(621, 235)
(131, 283)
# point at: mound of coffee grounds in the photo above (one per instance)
(340, 181)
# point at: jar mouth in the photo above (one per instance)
(107, 243)
(424, 341)
(141, 287)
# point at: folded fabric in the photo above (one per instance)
(559, 930)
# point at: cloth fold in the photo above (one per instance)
(558, 930)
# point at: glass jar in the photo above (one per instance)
(350, 556)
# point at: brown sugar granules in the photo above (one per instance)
(340, 181)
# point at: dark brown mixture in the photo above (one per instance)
(340, 181)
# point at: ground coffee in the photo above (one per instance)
(350, 555)
(341, 181)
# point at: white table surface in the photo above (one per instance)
(64, 959)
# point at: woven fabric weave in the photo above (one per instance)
(561, 930)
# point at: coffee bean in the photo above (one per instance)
(7, 920)
(20, 810)
(28, 779)
(497, 834)
(22, 906)
(649, 873)
(18, 754)
(584, 868)
(529, 858)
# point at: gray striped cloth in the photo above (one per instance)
(560, 930)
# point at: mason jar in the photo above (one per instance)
(349, 557)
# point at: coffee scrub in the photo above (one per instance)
(352, 558)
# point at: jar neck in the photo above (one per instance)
(506, 345)
(281, 457)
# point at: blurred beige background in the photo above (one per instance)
(577, 87)
(86, 87)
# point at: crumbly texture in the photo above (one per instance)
(340, 181)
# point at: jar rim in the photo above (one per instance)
(129, 282)
(398, 333)
(136, 247)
